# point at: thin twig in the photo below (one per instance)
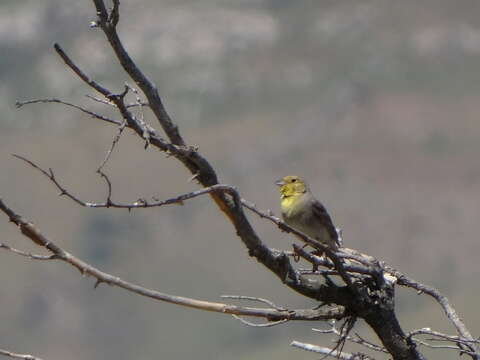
(18, 356)
(92, 83)
(141, 118)
(442, 336)
(357, 339)
(27, 254)
(444, 303)
(144, 204)
(19, 104)
(109, 187)
(252, 324)
(330, 352)
(449, 347)
(109, 103)
(253, 298)
(339, 265)
(463, 345)
(117, 99)
(112, 146)
(228, 203)
(137, 204)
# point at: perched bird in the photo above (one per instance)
(303, 212)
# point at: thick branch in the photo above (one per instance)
(108, 25)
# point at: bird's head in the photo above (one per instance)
(291, 185)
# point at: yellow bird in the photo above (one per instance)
(304, 213)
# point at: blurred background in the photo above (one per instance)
(376, 103)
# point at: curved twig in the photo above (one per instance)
(18, 356)
(330, 352)
(252, 324)
(253, 298)
(19, 104)
(27, 254)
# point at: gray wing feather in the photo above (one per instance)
(324, 218)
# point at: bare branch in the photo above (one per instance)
(90, 82)
(442, 336)
(114, 142)
(115, 13)
(252, 298)
(229, 204)
(101, 101)
(357, 339)
(108, 25)
(19, 104)
(141, 118)
(330, 352)
(464, 346)
(368, 261)
(137, 204)
(117, 99)
(49, 174)
(26, 254)
(275, 261)
(109, 103)
(349, 254)
(268, 324)
(109, 187)
(318, 261)
(442, 300)
(18, 356)
(373, 301)
(449, 347)
(30, 231)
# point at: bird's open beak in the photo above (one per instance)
(279, 182)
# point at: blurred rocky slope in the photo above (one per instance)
(376, 103)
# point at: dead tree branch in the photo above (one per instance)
(19, 104)
(330, 352)
(18, 356)
(368, 285)
(356, 339)
(271, 314)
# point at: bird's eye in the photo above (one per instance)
(293, 180)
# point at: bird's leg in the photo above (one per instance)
(296, 256)
(319, 253)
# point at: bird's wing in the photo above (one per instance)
(324, 218)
